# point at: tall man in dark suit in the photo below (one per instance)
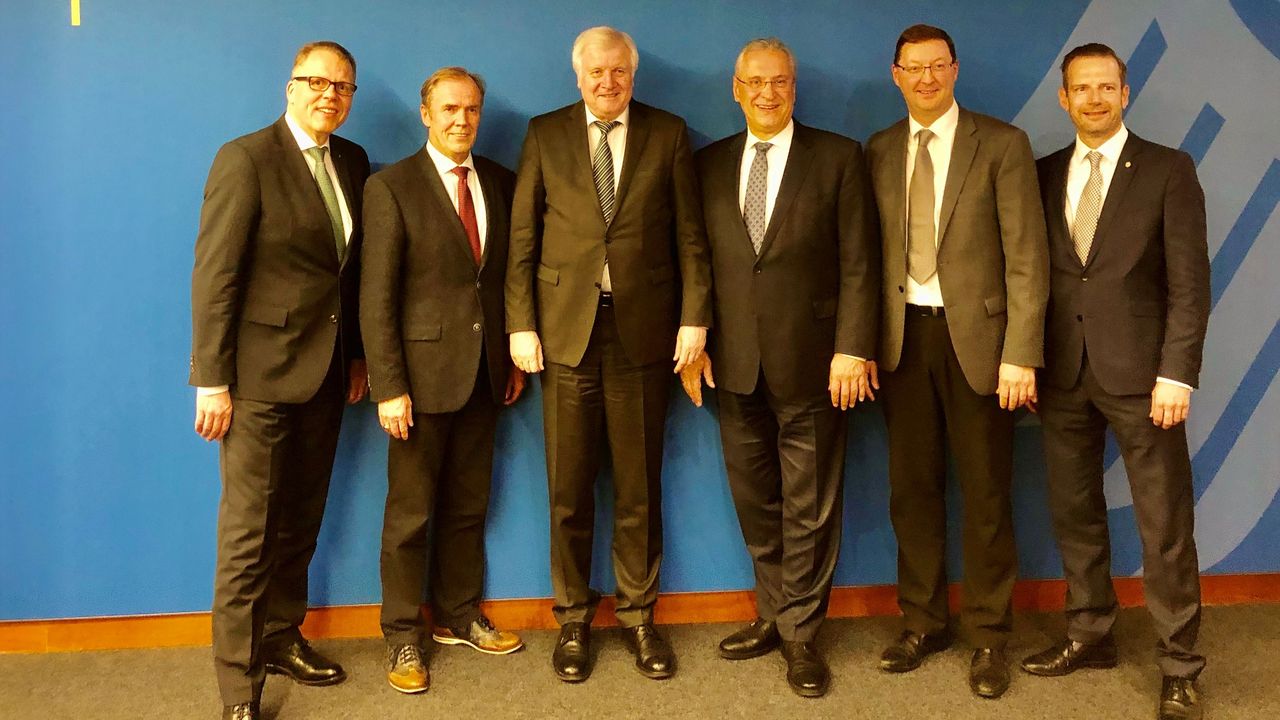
(1128, 310)
(431, 308)
(608, 256)
(275, 336)
(964, 291)
(790, 221)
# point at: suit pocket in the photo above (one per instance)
(995, 305)
(266, 315)
(660, 275)
(824, 308)
(422, 332)
(548, 275)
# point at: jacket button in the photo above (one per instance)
(477, 284)
(1079, 318)
(1084, 279)
(476, 327)
(333, 319)
(758, 271)
(901, 289)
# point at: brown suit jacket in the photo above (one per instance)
(656, 245)
(992, 258)
(814, 288)
(269, 295)
(1140, 303)
(426, 310)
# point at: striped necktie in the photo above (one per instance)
(602, 169)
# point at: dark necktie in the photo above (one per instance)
(1089, 209)
(467, 212)
(757, 193)
(602, 169)
(922, 247)
(330, 198)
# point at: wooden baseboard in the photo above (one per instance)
(361, 621)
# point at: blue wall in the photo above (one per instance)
(107, 497)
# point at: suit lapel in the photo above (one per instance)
(1056, 187)
(894, 173)
(343, 167)
(1126, 166)
(300, 184)
(452, 224)
(793, 175)
(963, 149)
(730, 176)
(637, 135)
(490, 192)
(577, 139)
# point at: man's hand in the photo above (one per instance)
(213, 415)
(873, 378)
(358, 385)
(1017, 386)
(396, 416)
(526, 351)
(689, 343)
(1169, 404)
(692, 375)
(515, 386)
(847, 381)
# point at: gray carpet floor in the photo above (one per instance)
(1242, 680)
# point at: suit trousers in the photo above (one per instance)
(930, 408)
(1159, 468)
(785, 461)
(606, 398)
(441, 476)
(276, 461)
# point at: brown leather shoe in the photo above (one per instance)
(1179, 700)
(988, 673)
(910, 650)
(479, 635)
(1069, 656)
(758, 638)
(654, 658)
(242, 711)
(304, 664)
(408, 673)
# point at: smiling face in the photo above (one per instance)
(768, 109)
(452, 117)
(320, 113)
(605, 78)
(929, 94)
(1095, 97)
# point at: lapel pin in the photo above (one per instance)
(1128, 164)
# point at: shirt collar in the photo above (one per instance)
(624, 119)
(942, 126)
(781, 141)
(1110, 149)
(445, 165)
(300, 136)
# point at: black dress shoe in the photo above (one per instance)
(988, 673)
(572, 657)
(910, 650)
(806, 672)
(304, 664)
(243, 711)
(654, 658)
(1179, 700)
(1069, 656)
(754, 640)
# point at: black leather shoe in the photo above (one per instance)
(1179, 700)
(1069, 656)
(806, 672)
(572, 657)
(988, 673)
(654, 658)
(910, 650)
(304, 664)
(758, 638)
(243, 711)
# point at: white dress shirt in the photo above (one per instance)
(777, 158)
(445, 166)
(618, 150)
(939, 148)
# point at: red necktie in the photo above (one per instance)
(467, 212)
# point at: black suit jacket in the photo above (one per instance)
(1140, 303)
(656, 245)
(814, 288)
(269, 296)
(426, 310)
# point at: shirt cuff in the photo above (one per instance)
(207, 391)
(855, 357)
(1174, 382)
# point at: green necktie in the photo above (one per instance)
(330, 198)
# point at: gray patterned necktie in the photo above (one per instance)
(922, 247)
(602, 169)
(757, 194)
(1089, 208)
(330, 198)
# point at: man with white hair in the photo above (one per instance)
(608, 283)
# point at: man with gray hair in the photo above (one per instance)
(607, 275)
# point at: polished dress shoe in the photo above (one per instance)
(572, 657)
(479, 635)
(910, 650)
(806, 672)
(654, 658)
(988, 673)
(1069, 656)
(1179, 700)
(301, 662)
(754, 640)
(243, 711)
(408, 673)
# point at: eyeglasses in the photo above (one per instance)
(938, 68)
(756, 84)
(320, 84)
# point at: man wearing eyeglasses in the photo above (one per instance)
(965, 283)
(790, 222)
(276, 351)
